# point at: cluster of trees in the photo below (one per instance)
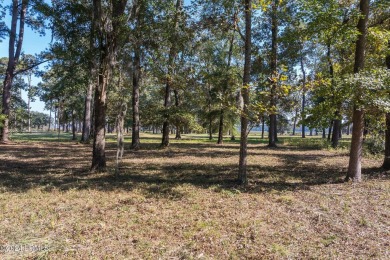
(209, 65)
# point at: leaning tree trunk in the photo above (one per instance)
(13, 58)
(242, 170)
(354, 167)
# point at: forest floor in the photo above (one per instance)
(183, 202)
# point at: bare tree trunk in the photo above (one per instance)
(386, 161)
(273, 65)
(295, 121)
(177, 104)
(336, 130)
(74, 125)
(135, 140)
(120, 135)
(51, 108)
(87, 111)
(13, 59)
(135, 130)
(330, 129)
(242, 170)
(354, 167)
(262, 127)
(303, 98)
(323, 133)
(220, 129)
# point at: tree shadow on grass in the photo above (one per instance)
(65, 167)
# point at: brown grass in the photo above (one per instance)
(183, 203)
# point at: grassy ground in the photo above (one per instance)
(182, 202)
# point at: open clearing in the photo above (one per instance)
(182, 203)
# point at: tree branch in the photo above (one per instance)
(237, 29)
(29, 67)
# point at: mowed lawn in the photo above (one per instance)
(183, 202)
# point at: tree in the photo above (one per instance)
(107, 23)
(170, 72)
(242, 170)
(14, 51)
(354, 167)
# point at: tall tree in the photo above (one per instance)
(170, 73)
(354, 167)
(273, 68)
(242, 170)
(14, 50)
(107, 23)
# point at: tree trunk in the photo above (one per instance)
(168, 85)
(220, 129)
(135, 140)
(273, 66)
(303, 97)
(354, 167)
(120, 135)
(107, 54)
(295, 121)
(262, 128)
(386, 162)
(242, 170)
(13, 59)
(51, 108)
(323, 133)
(87, 111)
(74, 125)
(336, 131)
(330, 129)
(135, 130)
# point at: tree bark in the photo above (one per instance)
(13, 59)
(242, 170)
(295, 121)
(135, 140)
(220, 129)
(354, 167)
(303, 97)
(51, 108)
(273, 66)
(262, 127)
(336, 130)
(106, 36)
(386, 161)
(86, 132)
(74, 125)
